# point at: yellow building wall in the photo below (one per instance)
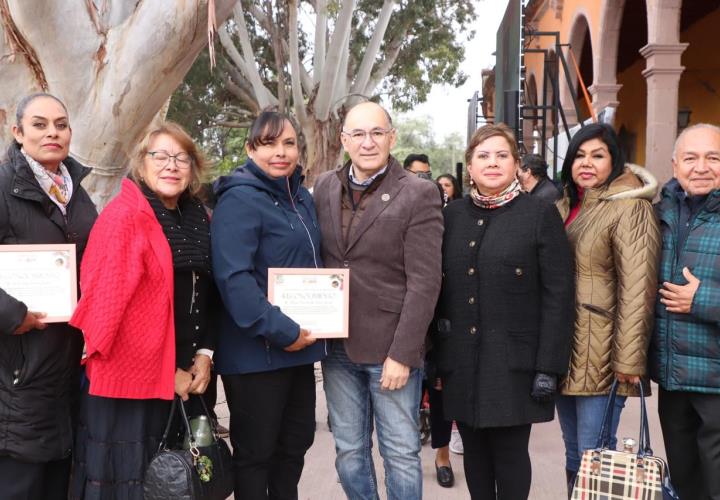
(700, 82)
(632, 111)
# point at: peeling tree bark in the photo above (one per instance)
(114, 64)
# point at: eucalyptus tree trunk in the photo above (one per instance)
(114, 63)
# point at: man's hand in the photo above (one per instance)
(32, 321)
(627, 379)
(679, 298)
(200, 371)
(183, 380)
(544, 387)
(304, 339)
(394, 375)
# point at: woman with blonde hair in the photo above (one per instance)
(147, 291)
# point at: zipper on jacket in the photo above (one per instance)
(302, 221)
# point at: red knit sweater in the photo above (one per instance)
(126, 307)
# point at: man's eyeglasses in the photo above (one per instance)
(377, 135)
(161, 159)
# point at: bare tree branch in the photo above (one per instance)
(373, 47)
(297, 93)
(249, 68)
(279, 56)
(342, 82)
(244, 96)
(332, 61)
(19, 45)
(393, 50)
(320, 39)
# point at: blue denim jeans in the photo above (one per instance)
(580, 420)
(354, 397)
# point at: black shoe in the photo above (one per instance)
(445, 476)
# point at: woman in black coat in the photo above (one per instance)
(504, 316)
(41, 202)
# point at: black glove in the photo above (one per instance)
(544, 387)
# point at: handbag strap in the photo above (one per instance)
(185, 421)
(603, 440)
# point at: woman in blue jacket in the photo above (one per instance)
(265, 218)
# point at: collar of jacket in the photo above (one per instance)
(393, 169)
(276, 186)
(635, 182)
(669, 200)
(24, 183)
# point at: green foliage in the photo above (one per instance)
(414, 135)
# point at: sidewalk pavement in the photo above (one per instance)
(319, 480)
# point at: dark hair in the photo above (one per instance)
(409, 159)
(267, 127)
(457, 189)
(536, 164)
(25, 102)
(607, 135)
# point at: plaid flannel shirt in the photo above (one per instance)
(685, 348)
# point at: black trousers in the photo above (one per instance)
(440, 428)
(272, 425)
(497, 462)
(690, 424)
(28, 481)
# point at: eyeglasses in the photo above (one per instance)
(377, 135)
(162, 159)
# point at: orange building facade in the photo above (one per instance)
(650, 65)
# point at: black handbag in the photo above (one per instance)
(200, 473)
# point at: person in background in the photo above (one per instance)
(265, 218)
(418, 164)
(451, 187)
(615, 238)
(41, 202)
(534, 178)
(385, 226)
(504, 317)
(685, 349)
(147, 314)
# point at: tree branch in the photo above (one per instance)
(19, 45)
(297, 93)
(244, 96)
(384, 68)
(332, 61)
(342, 81)
(320, 39)
(249, 68)
(373, 47)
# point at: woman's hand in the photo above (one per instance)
(32, 321)
(628, 379)
(200, 371)
(183, 381)
(304, 339)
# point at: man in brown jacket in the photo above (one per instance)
(385, 225)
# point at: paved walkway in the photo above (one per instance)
(319, 479)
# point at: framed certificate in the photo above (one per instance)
(44, 277)
(316, 299)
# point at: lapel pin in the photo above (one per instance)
(385, 197)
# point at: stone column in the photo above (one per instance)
(662, 73)
(604, 95)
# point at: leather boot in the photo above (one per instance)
(570, 481)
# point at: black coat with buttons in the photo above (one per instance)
(39, 382)
(505, 310)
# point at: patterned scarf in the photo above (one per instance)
(58, 187)
(498, 200)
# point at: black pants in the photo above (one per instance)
(497, 462)
(691, 429)
(272, 425)
(440, 428)
(28, 481)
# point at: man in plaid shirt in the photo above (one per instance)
(685, 351)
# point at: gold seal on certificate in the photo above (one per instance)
(44, 277)
(316, 299)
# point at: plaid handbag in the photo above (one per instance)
(606, 474)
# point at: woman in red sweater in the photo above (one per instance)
(146, 290)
